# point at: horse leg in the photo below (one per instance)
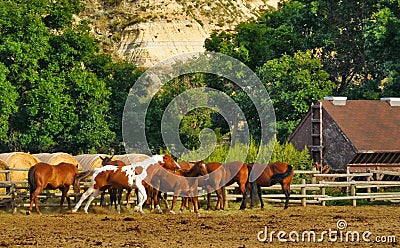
(171, 210)
(286, 190)
(244, 195)
(195, 202)
(156, 200)
(113, 197)
(208, 201)
(183, 204)
(64, 193)
(102, 199)
(221, 199)
(34, 199)
(165, 199)
(260, 196)
(85, 195)
(91, 198)
(128, 197)
(141, 197)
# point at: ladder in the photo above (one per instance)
(316, 146)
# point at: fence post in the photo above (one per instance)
(303, 192)
(8, 179)
(323, 203)
(353, 192)
(369, 188)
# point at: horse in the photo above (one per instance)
(45, 176)
(227, 174)
(154, 201)
(276, 172)
(196, 169)
(122, 177)
(115, 194)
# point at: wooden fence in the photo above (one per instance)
(315, 189)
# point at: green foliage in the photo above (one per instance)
(7, 103)
(300, 160)
(293, 83)
(56, 82)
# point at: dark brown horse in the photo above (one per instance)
(45, 176)
(123, 177)
(115, 194)
(277, 172)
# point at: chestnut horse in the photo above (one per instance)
(122, 177)
(154, 200)
(227, 174)
(196, 169)
(277, 172)
(45, 176)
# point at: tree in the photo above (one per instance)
(293, 83)
(7, 103)
(382, 39)
(58, 83)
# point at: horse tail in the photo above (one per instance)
(83, 175)
(253, 188)
(31, 179)
(279, 177)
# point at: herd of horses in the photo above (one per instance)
(153, 177)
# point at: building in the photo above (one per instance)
(352, 135)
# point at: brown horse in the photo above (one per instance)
(216, 182)
(277, 172)
(196, 169)
(115, 194)
(123, 177)
(45, 176)
(152, 198)
(227, 174)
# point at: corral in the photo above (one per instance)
(311, 211)
(229, 228)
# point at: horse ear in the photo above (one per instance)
(111, 157)
(101, 158)
(77, 166)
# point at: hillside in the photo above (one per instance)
(145, 32)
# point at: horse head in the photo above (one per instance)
(169, 163)
(106, 160)
(200, 166)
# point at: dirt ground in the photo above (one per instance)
(228, 228)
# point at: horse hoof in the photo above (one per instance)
(28, 212)
(136, 209)
(172, 212)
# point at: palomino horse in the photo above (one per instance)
(45, 176)
(277, 172)
(227, 174)
(122, 177)
(115, 194)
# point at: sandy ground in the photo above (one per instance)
(228, 228)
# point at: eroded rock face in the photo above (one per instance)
(146, 32)
(150, 42)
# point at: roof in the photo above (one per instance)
(370, 125)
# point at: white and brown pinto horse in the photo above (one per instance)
(122, 177)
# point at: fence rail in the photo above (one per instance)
(15, 194)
